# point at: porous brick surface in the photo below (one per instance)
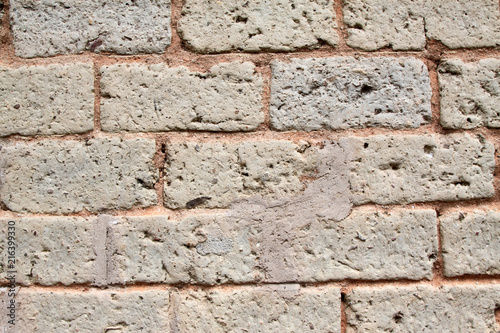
(264, 25)
(64, 176)
(274, 308)
(413, 168)
(54, 99)
(471, 242)
(46, 28)
(470, 93)
(157, 98)
(249, 166)
(215, 249)
(423, 309)
(405, 24)
(91, 311)
(340, 93)
(216, 174)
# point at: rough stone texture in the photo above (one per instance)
(69, 176)
(405, 24)
(50, 250)
(214, 249)
(92, 311)
(470, 93)
(275, 308)
(216, 174)
(423, 309)
(471, 243)
(46, 28)
(53, 99)
(344, 92)
(263, 25)
(411, 168)
(157, 98)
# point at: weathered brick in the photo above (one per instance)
(264, 25)
(405, 24)
(53, 99)
(471, 243)
(91, 311)
(158, 98)
(69, 176)
(344, 92)
(470, 93)
(275, 308)
(46, 28)
(413, 168)
(423, 309)
(50, 250)
(216, 174)
(212, 249)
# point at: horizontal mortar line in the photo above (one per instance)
(190, 135)
(346, 283)
(448, 206)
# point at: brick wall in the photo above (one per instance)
(250, 166)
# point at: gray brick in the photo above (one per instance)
(50, 250)
(413, 168)
(214, 249)
(46, 28)
(344, 92)
(471, 243)
(92, 311)
(157, 98)
(423, 309)
(470, 93)
(276, 308)
(404, 25)
(223, 172)
(70, 176)
(53, 99)
(265, 25)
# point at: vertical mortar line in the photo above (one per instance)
(173, 309)
(438, 269)
(338, 7)
(159, 160)
(6, 38)
(97, 97)
(432, 66)
(343, 305)
(265, 71)
(175, 40)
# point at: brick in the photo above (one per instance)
(53, 99)
(471, 243)
(404, 25)
(92, 311)
(214, 249)
(419, 168)
(423, 309)
(265, 25)
(157, 98)
(215, 174)
(46, 28)
(344, 92)
(50, 250)
(470, 93)
(70, 176)
(276, 308)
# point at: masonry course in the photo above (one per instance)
(344, 92)
(47, 28)
(264, 25)
(470, 93)
(405, 24)
(64, 176)
(471, 242)
(141, 98)
(53, 99)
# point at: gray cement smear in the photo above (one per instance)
(326, 198)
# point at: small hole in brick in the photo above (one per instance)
(428, 149)
(395, 166)
(398, 317)
(343, 297)
(358, 26)
(365, 89)
(241, 19)
(366, 145)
